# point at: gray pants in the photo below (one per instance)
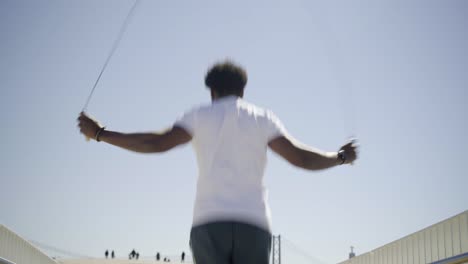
(230, 243)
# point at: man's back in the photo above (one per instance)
(230, 137)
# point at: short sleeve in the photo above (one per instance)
(274, 127)
(187, 121)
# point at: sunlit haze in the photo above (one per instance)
(391, 73)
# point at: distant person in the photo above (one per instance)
(112, 254)
(183, 256)
(158, 256)
(137, 255)
(106, 253)
(133, 254)
(230, 137)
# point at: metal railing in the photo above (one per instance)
(16, 250)
(445, 242)
(5, 261)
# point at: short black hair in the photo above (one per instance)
(226, 78)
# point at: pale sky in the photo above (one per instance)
(392, 73)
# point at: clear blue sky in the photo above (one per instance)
(391, 72)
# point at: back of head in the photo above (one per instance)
(226, 78)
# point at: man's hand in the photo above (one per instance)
(88, 126)
(350, 151)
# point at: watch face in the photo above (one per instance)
(342, 156)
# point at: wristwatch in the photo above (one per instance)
(342, 156)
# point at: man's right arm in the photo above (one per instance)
(139, 142)
(307, 157)
(147, 142)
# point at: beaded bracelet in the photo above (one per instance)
(98, 133)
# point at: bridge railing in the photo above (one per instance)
(445, 242)
(16, 250)
(5, 261)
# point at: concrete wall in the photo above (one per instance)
(19, 251)
(436, 243)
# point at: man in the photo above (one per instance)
(231, 221)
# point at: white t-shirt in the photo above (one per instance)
(230, 138)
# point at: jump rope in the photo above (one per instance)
(349, 122)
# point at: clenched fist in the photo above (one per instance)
(88, 126)
(349, 151)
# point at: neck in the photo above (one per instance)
(215, 96)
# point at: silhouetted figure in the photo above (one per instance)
(106, 253)
(352, 254)
(132, 254)
(137, 255)
(158, 256)
(112, 254)
(183, 256)
(165, 259)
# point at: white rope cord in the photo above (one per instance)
(302, 252)
(54, 249)
(340, 66)
(111, 53)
